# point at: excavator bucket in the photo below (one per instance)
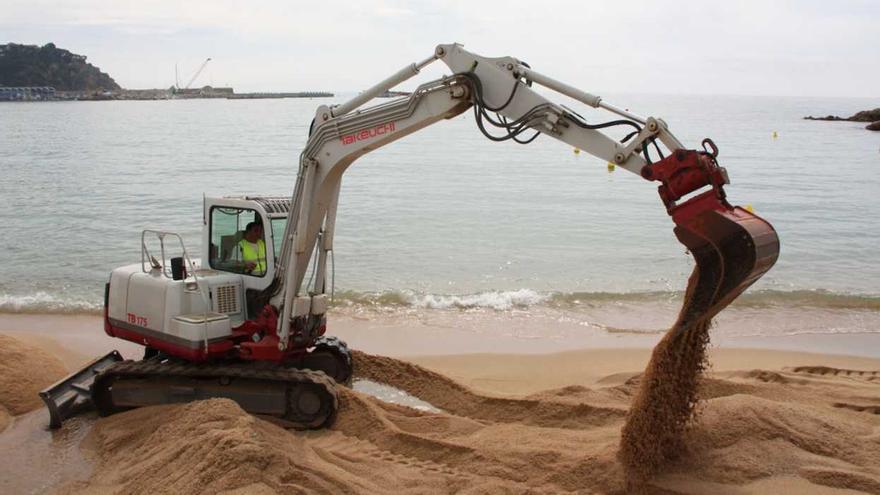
(73, 394)
(732, 247)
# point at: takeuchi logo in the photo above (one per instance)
(380, 129)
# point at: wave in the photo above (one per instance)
(43, 302)
(818, 298)
(525, 298)
(497, 300)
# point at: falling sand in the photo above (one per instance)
(668, 395)
(666, 401)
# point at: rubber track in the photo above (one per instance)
(291, 376)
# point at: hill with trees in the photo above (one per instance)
(48, 65)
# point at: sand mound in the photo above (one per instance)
(24, 371)
(212, 442)
(743, 438)
(753, 435)
(457, 399)
(214, 447)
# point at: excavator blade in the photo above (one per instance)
(732, 247)
(72, 394)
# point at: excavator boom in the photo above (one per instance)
(733, 247)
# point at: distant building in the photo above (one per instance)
(204, 92)
(27, 93)
(218, 91)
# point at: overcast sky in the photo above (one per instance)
(797, 48)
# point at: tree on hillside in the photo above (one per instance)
(47, 65)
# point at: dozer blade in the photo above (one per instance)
(732, 247)
(73, 394)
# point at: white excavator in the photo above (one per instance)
(223, 327)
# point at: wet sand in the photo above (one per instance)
(518, 416)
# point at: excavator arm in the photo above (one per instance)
(732, 246)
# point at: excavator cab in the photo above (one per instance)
(226, 220)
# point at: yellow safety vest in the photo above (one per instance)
(258, 256)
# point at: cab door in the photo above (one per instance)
(226, 232)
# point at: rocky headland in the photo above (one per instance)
(871, 116)
(48, 65)
(49, 73)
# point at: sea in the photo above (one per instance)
(447, 222)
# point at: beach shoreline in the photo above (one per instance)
(572, 379)
(77, 338)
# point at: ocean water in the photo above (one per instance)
(445, 220)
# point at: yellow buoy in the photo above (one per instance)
(577, 151)
(775, 135)
(611, 167)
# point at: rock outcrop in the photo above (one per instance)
(872, 116)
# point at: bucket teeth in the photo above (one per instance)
(732, 248)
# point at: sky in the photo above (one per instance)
(743, 47)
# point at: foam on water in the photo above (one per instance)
(393, 395)
(500, 300)
(59, 303)
(42, 302)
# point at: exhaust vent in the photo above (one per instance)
(227, 299)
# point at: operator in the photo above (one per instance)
(253, 249)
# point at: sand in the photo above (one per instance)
(770, 422)
(5, 418)
(808, 429)
(25, 369)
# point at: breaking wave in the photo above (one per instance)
(498, 300)
(525, 298)
(43, 302)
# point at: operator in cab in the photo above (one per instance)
(253, 249)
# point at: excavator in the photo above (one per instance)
(212, 328)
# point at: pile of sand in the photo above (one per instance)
(214, 447)
(759, 431)
(24, 371)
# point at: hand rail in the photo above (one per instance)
(191, 267)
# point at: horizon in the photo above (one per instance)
(793, 49)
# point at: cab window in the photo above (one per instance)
(278, 226)
(231, 251)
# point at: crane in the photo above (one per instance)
(197, 73)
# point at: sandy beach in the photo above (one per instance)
(516, 416)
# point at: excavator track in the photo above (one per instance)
(303, 398)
